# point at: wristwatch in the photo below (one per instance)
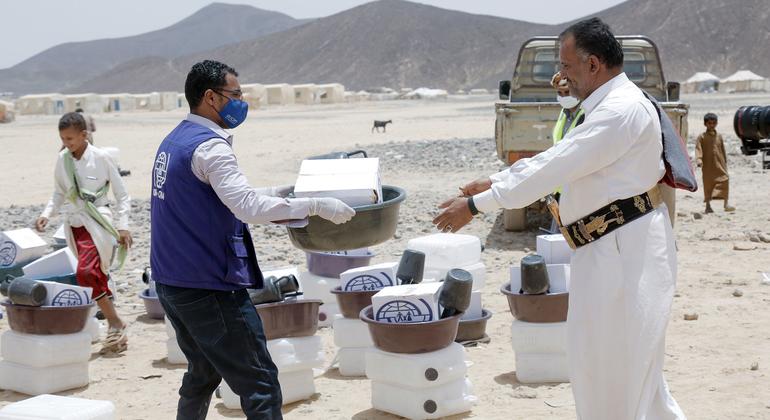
(472, 206)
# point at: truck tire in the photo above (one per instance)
(515, 220)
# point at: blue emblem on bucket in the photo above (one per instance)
(402, 311)
(7, 253)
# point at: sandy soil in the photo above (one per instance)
(431, 149)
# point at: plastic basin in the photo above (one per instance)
(331, 265)
(152, 305)
(47, 320)
(551, 307)
(418, 337)
(373, 224)
(352, 302)
(473, 329)
(294, 318)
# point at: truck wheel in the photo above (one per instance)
(515, 219)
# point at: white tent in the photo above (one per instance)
(90, 103)
(426, 93)
(280, 94)
(701, 81)
(182, 100)
(45, 104)
(119, 102)
(148, 101)
(255, 94)
(745, 81)
(6, 112)
(307, 94)
(332, 93)
(169, 100)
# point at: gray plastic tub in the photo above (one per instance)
(331, 265)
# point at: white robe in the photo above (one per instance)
(622, 285)
(94, 169)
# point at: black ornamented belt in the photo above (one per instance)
(607, 218)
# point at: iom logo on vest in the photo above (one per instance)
(159, 174)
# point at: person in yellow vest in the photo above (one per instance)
(570, 116)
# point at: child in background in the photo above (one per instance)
(710, 155)
(82, 177)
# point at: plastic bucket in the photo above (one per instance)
(417, 337)
(47, 320)
(295, 318)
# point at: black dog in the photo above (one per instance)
(383, 124)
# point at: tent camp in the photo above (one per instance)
(6, 112)
(745, 81)
(280, 94)
(255, 94)
(147, 101)
(41, 104)
(169, 100)
(701, 81)
(91, 103)
(332, 93)
(119, 102)
(307, 94)
(182, 101)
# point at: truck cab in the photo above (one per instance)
(527, 109)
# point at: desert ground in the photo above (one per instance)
(431, 148)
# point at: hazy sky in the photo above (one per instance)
(32, 26)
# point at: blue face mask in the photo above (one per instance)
(234, 112)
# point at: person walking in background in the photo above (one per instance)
(711, 156)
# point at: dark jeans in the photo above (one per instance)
(221, 335)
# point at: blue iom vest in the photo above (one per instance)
(196, 241)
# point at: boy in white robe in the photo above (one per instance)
(83, 175)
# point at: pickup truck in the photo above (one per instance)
(527, 109)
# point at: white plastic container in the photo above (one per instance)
(474, 310)
(295, 386)
(539, 337)
(424, 370)
(281, 272)
(54, 407)
(373, 277)
(317, 287)
(170, 332)
(558, 276)
(407, 303)
(94, 329)
(352, 361)
(448, 250)
(61, 294)
(57, 263)
(478, 272)
(536, 368)
(47, 380)
(296, 353)
(174, 353)
(21, 246)
(42, 351)
(554, 249)
(327, 313)
(430, 403)
(351, 333)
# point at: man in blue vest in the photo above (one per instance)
(202, 255)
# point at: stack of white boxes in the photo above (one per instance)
(541, 348)
(420, 386)
(446, 251)
(318, 287)
(174, 354)
(351, 335)
(54, 407)
(43, 364)
(296, 358)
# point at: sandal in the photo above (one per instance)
(116, 341)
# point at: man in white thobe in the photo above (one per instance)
(623, 282)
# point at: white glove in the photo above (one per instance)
(331, 209)
(282, 191)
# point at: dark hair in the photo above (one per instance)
(594, 37)
(72, 119)
(207, 74)
(79, 110)
(710, 117)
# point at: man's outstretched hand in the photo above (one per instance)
(456, 214)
